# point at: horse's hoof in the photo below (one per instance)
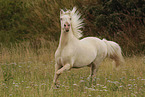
(54, 87)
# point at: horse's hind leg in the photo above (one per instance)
(92, 71)
(94, 68)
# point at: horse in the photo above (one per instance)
(73, 52)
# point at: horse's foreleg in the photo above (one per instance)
(57, 67)
(64, 68)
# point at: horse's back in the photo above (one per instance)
(99, 45)
(96, 42)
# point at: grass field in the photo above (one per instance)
(28, 72)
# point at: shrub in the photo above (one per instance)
(35, 20)
(12, 16)
(118, 20)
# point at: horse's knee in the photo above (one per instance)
(58, 72)
(64, 68)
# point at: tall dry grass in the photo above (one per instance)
(27, 68)
(28, 71)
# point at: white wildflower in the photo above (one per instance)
(105, 90)
(75, 84)
(81, 81)
(104, 87)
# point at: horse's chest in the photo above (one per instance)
(64, 56)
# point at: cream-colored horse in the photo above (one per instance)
(75, 53)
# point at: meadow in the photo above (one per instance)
(29, 34)
(27, 70)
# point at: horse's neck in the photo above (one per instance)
(66, 38)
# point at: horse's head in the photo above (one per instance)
(65, 19)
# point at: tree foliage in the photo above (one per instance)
(12, 17)
(118, 20)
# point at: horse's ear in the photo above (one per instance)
(61, 12)
(73, 10)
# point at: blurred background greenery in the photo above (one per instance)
(121, 21)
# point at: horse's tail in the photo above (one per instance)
(114, 52)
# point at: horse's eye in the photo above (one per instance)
(60, 18)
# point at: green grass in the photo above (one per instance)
(28, 72)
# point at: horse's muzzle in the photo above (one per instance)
(66, 30)
(66, 27)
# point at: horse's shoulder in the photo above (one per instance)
(58, 52)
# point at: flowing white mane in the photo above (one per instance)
(76, 22)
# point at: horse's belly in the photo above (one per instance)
(82, 63)
(84, 59)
